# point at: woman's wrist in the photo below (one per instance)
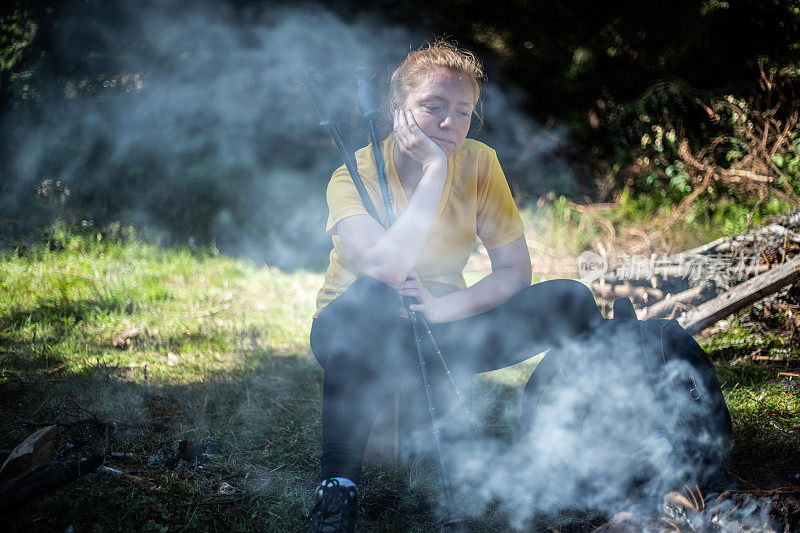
(488, 293)
(437, 165)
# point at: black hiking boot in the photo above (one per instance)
(335, 508)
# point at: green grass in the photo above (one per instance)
(764, 400)
(223, 352)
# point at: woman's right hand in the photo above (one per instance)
(413, 142)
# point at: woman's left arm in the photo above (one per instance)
(511, 272)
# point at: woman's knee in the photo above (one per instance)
(577, 300)
(575, 291)
(567, 297)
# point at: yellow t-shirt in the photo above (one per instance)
(476, 202)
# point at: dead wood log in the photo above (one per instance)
(23, 488)
(775, 234)
(33, 451)
(691, 296)
(639, 292)
(741, 296)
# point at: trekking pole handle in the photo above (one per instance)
(314, 83)
(365, 91)
(366, 95)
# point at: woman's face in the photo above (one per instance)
(442, 106)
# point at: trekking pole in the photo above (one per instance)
(368, 105)
(454, 522)
(470, 418)
(315, 84)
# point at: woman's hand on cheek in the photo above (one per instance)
(426, 302)
(413, 142)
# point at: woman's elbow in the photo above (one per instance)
(385, 272)
(524, 274)
(527, 274)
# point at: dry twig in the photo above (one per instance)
(210, 312)
(19, 379)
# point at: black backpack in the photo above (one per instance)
(635, 378)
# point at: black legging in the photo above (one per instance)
(364, 344)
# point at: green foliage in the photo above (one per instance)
(724, 135)
(17, 32)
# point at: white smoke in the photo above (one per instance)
(580, 452)
(193, 123)
(187, 119)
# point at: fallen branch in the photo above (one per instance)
(26, 487)
(58, 368)
(210, 312)
(592, 212)
(19, 379)
(769, 359)
(135, 480)
(663, 308)
(706, 247)
(741, 296)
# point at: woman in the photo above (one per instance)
(448, 190)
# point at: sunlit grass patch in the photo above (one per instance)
(67, 305)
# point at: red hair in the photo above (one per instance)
(419, 64)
